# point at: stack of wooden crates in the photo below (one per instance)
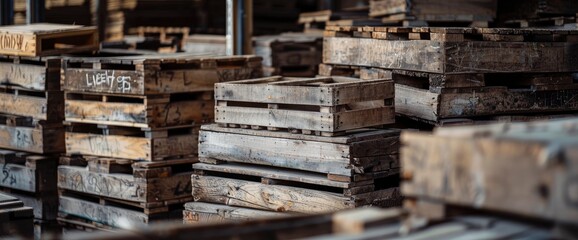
(286, 146)
(132, 130)
(462, 75)
(32, 110)
(290, 54)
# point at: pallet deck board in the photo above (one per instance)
(143, 112)
(35, 74)
(38, 138)
(44, 39)
(48, 106)
(155, 74)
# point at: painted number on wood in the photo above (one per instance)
(12, 42)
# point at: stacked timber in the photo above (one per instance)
(445, 75)
(316, 21)
(132, 131)
(525, 170)
(16, 220)
(289, 54)
(32, 111)
(287, 146)
(111, 19)
(452, 13)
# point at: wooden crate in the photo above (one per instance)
(202, 213)
(340, 157)
(452, 10)
(285, 190)
(148, 185)
(16, 219)
(525, 169)
(25, 134)
(155, 74)
(438, 98)
(130, 142)
(453, 50)
(153, 111)
(325, 105)
(105, 214)
(43, 39)
(30, 73)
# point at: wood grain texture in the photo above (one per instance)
(35, 140)
(201, 213)
(451, 57)
(31, 74)
(527, 172)
(124, 186)
(49, 107)
(304, 154)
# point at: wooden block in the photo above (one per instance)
(47, 39)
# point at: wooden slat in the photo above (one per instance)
(202, 213)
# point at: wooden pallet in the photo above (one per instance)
(549, 22)
(525, 169)
(115, 214)
(155, 74)
(342, 157)
(16, 219)
(130, 142)
(25, 134)
(144, 184)
(28, 172)
(30, 73)
(72, 225)
(44, 39)
(529, 9)
(46, 106)
(156, 111)
(164, 34)
(452, 50)
(275, 189)
(299, 71)
(206, 44)
(203, 213)
(289, 51)
(436, 98)
(325, 105)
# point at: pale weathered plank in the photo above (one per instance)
(124, 186)
(199, 212)
(36, 140)
(111, 216)
(49, 107)
(267, 197)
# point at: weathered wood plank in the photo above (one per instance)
(111, 216)
(479, 172)
(136, 148)
(241, 193)
(199, 212)
(36, 140)
(49, 107)
(40, 76)
(451, 57)
(124, 186)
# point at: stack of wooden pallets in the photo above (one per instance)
(290, 54)
(460, 75)
(132, 131)
(525, 170)
(317, 21)
(537, 13)
(420, 13)
(176, 36)
(32, 110)
(287, 146)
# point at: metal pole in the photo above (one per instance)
(239, 26)
(6, 12)
(35, 11)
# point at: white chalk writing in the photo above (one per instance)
(108, 79)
